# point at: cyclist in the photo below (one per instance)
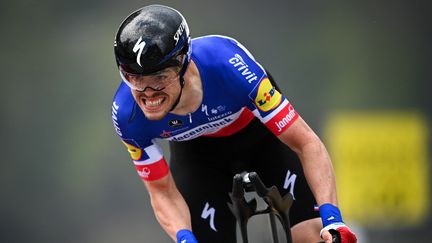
(223, 114)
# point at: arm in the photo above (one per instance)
(318, 170)
(315, 160)
(168, 205)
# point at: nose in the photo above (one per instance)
(149, 91)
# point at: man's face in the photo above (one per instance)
(156, 94)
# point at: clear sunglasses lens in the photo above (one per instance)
(140, 82)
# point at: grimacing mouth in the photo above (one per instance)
(154, 102)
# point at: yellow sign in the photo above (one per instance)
(381, 165)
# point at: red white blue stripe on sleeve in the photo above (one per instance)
(153, 168)
(280, 118)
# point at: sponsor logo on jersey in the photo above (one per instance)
(204, 109)
(286, 119)
(165, 134)
(215, 113)
(221, 108)
(267, 96)
(206, 128)
(280, 118)
(144, 172)
(218, 109)
(218, 116)
(114, 111)
(175, 123)
(241, 66)
(134, 152)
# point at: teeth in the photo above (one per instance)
(154, 102)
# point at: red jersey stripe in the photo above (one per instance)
(244, 119)
(282, 120)
(154, 171)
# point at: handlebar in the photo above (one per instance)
(276, 205)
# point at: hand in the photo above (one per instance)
(338, 233)
(185, 236)
(334, 227)
(327, 237)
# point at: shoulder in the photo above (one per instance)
(228, 60)
(122, 110)
(226, 56)
(129, 121)
(218, 45)
(212, 39)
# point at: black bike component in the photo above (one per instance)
(241, 209)
(273, 227)
(336, 236)
(276, 204)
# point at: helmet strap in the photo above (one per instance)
(181, 79)
(181, 91)
(184, 68)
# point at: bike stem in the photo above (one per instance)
(243, 210)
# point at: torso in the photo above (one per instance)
(234, 88)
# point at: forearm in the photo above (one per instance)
(169, 207)
(318, 170)
(315, 160)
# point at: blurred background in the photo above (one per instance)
(359, 72)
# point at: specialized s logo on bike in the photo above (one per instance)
(139, 47)
(209, 212)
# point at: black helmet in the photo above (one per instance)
(151, 39)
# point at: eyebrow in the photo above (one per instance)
(158, 72)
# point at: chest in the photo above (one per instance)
(210, 117)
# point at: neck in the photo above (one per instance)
(192, 92)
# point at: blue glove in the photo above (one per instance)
(185, 236)
(332, 221)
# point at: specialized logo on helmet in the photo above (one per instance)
(139, 47)
(179, 32)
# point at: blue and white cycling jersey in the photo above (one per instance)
(235, 89)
